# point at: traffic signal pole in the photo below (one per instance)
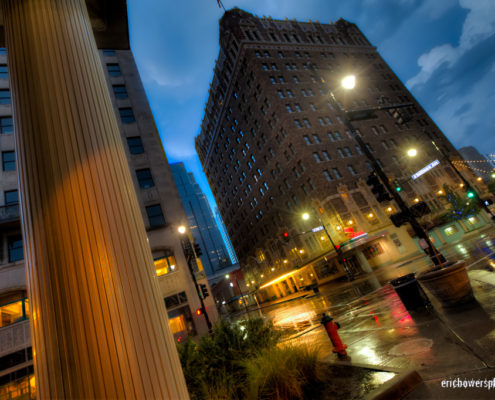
(430, 249)
(190, 253)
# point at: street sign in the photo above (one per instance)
(317, 229)
(425, 169)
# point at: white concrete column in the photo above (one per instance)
(363, 262)
(99, 327)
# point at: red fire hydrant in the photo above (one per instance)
(331, 327)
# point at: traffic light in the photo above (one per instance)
(399, 219)
(204, 290)
(377, 188)
(398, 187)
(197, 250)
(199, 311)
(470, 193)
(285, 237)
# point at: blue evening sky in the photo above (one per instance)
(443, 50)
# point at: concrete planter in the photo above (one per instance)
(449, 284)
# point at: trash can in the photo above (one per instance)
(410, 292)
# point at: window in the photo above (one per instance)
(316, 138)
(306, 122)
(114, 70)
(164, 264)
(327, 175)
(282, 80)
(265, 67)
(297, 107)
(4, 73)
(295, 79)
(108, 52)
(258, 54)
(351, 170)
(3, 51)
(298, 123)
(126, 115)
(272, 80)
(341, 153)
(301, 166)
(336, 173)
(11, 197)
(307, 140)
(145, 179)
(289, 108)
(280, 94)
(4, 96)
(310, 184)
(135, 145)
(331, 137)
(337, 136)
(347, 151)
(6, 125)
(274, 67)
(312, 106)
(289, 93)
(317, 157)
(8, 160)
(155, 216)
(322, 122)
(358, 150)
(120, 91)
(15, 248)
(326, 156)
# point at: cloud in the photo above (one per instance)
(478, 26)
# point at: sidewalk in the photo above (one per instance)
(440, 344)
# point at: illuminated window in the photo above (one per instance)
(13, 312)
(164, 262)
(450, 230)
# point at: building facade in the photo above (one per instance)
(201, 221)
(273, 146)
(160, 206)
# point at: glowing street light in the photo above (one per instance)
(349, 82)
(412, 152)
(181, 229)
(305, 216)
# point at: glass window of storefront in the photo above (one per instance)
(14, 311)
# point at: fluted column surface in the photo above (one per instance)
(99, 327)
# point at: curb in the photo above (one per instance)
(397, 387)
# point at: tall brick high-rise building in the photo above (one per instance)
(273, 146)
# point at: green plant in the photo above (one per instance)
(283, 373)
(214, 368)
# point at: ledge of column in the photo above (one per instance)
(109, 22)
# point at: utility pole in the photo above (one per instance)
(430, 249)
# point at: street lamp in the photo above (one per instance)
(429, 248)
(305, 216)
(412, 152)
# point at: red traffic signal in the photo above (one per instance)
(199, 311)
(285, 236)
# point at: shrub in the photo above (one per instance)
(283, 373)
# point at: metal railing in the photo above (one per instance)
(9, 213)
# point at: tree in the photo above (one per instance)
(460, 205)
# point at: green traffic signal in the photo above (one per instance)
(398, 188)
(470, 194)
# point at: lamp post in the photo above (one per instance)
(240, 291)
(190, 255)
(337, 249)
(349, 83)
